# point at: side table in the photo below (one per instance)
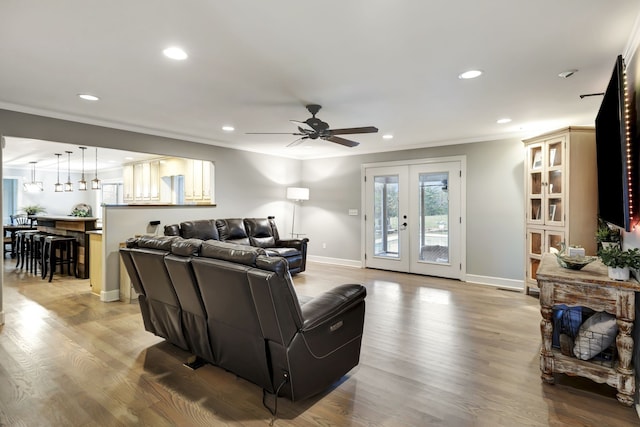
(589, 287)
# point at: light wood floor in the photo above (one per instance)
(435, 353)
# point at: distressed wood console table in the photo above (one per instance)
(589, 287)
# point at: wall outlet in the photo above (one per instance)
(324, 245)
(353, 212)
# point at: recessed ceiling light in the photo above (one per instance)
(228, 128)
(566, 74)
(128, 158)
(387, 136)
(88, 97)
(176, 53)
(503, 120)
(471, 74)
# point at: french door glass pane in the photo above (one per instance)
(433, 217)
(386, 216)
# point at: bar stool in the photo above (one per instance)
(36, 241)
(23, 247)
(59, 250)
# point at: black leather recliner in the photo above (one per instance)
(258, 232)
(239, 310)
(161, 305)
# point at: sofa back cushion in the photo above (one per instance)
(164, 308)
(273, 289)
(274, 228)
(194, 317)
(260, 232)
(172, 230)
(161, 243)
(236, 337)
(203, 229)
(241, 254)
(232, 230)
(186, 247)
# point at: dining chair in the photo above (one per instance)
(20, 219)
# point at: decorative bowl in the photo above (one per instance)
(574, 262)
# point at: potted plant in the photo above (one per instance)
(33, 210)
(619, 261)
(607, 235)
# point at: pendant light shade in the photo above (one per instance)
(68, 186)
(95, 182)
(82, 184)
(58, 187)
(33, 186)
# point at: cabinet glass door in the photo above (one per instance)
(554, 181)
(536, 207)
(554, 240)
(535, 241)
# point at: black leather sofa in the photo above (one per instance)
(236, 307)
(258, 232)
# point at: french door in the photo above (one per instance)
(413, 217)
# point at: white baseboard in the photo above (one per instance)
(496, 282)
(110, 296)
(335, 261)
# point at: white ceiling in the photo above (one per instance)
(256, 64)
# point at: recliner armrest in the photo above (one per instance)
(298, 244)
(327, 306)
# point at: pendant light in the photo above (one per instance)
(58, 186)
(68, 186)
(82, 184)
(95, 182)
(33, 186)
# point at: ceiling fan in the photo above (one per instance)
(314, 128)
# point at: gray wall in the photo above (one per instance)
(249, 184)
(495, 204)
(245, 182)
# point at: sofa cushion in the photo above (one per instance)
(283, 252)
(172, 230)
(186, 247)
(232, 230)
(162, 243)
(260, 232)
(131, 242)
(203, 229)
(241, 254)
(277, 265)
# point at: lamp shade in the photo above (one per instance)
(297, 193)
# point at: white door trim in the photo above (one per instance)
(463, 202)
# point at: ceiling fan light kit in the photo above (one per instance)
(314, 128)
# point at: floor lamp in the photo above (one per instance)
(296, 194)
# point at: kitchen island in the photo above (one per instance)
(72, 226)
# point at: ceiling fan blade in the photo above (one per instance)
(342, 141)
(297, 142)
(274, 133)
(347, 131)
(303, 125)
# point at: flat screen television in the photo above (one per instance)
(615, 161)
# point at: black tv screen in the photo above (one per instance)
(616, 175)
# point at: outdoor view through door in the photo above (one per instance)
(386, 216)
(433, 215)
(413, 218)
